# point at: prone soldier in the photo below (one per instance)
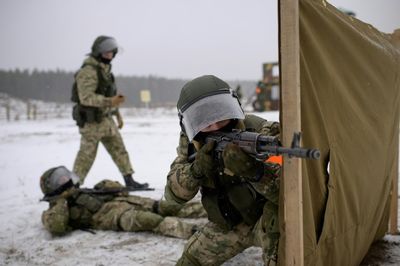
(73, 208)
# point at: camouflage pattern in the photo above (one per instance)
(120, 213)
(106, 131)
(55, 219)
(87, 81)
(267, 234)
(213, 244)
(240, 163)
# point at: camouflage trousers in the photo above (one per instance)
(107, 133)
(124, 215)
(214, 245)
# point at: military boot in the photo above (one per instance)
(129, 182)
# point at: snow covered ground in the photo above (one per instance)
(28, 148)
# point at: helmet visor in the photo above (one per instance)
(108, 45)
(60, 177)
(210, 110)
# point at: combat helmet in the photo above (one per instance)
(104, 44)
(206, 100)
(56, 180)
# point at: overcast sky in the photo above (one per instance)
(168, 38)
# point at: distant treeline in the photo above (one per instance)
(55, 86)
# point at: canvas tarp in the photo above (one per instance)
(350, 85)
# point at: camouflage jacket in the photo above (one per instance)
(181, 186)
(87, 83)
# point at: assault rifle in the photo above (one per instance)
(92, 191)
(259, 146)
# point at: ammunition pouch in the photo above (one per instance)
(110, 90)
(93, 204)
(219, 209)
(232, 205)
(86, 114)
(247, 201)
(74, 94)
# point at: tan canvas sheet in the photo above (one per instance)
(350, 84)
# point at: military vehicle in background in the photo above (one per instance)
(266, 96)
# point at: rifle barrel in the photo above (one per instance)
(293, 152)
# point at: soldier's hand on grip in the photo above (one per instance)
(117, 100)
(241, 164)
(204, 163)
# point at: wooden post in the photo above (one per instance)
(34, 111)
(291, 122)
(394, 206)
(8, 112)
(28, 110)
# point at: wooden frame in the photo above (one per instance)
(291, 122)
(289, 49)
(394, 206)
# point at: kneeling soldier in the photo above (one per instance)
(239, 192)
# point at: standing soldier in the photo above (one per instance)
(239, 192)
(109, 207)
(97, 101)
(260, 103)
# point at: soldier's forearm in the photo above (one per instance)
(95, 100)
(55, 219)
(181, 183)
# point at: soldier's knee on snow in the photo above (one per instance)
(172, 226)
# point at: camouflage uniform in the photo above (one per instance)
(105, 131)
(217, 242)
(77, 210)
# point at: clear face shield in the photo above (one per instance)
(108, 45)
(210, 110)
(61, 176)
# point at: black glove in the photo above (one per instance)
(204, 163)
(275, 129)
(241, 164)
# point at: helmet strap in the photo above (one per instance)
(235, 95)
(181, 122)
